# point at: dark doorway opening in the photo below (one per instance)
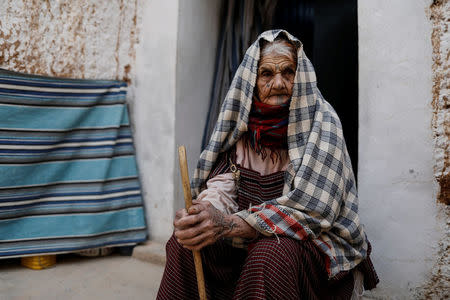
(328, 30)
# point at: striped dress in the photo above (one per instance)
(271, 268)
(68, 174)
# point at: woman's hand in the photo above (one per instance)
(203, 225)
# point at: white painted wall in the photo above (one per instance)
(171, 77)
(396, 186)
(174, 71)
(154, 112)
(198, 31)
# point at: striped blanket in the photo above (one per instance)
(68, 174)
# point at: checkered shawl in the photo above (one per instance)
(319, 198)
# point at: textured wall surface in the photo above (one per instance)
(136, 41)
(94, 39)
(438, 286)
(80, 39)
(440, 39)
(397, 187)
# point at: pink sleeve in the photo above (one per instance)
(221, 193)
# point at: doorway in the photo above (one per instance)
(329, 32)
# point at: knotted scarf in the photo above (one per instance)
(267, 128)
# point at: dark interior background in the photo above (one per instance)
(328, 30)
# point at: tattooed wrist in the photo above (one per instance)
(225, 226)
(241, 229)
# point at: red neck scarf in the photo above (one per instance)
(267, 128)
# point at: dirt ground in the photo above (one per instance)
(74, 277)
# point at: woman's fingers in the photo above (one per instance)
(197, 243)
(200, 246)
(189, 233)
(184, 232)
(179, 215)
(198, 206)
(204, 232)
(189, 220)
(201, 225)
(196, 240)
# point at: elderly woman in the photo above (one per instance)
(276, 209)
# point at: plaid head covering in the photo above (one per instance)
(319, 197)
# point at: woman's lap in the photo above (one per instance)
(272, 269)
(281, 269)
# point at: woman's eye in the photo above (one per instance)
(266, 74)
(289, 72)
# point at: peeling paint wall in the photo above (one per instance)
(79, 39)
(136, 41)
(440, 39)
(438, 285)
(90, 39)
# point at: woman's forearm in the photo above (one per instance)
(203, 224)
(237, 227)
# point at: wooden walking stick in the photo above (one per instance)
(188, 201)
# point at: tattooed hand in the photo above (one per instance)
(201, 225)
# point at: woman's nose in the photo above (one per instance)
(278, 82)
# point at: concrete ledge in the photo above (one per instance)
(151, 251)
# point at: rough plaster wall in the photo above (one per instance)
(198, 31)
(438, 286)
(154, 112)
(396, 180)
(97, 39)
(440, 39)
(79, 39)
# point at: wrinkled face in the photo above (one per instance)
(275, 79)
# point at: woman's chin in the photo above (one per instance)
(275, 100)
